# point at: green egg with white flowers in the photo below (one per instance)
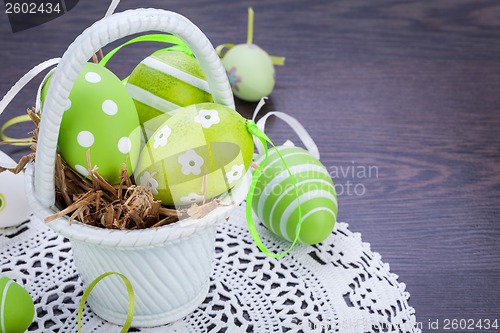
(199, 153)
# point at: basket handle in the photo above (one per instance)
(88, 43)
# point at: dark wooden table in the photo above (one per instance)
(410, 89)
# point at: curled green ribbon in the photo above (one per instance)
(131, 299)
(254, 130)
(15, 141)
(160, 38)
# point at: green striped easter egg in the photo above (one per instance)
(166, 81)
(16, 307)
(275, 200)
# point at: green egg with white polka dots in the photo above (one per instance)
(100, 117)
(200, 152)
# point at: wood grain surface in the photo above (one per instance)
(408, 88)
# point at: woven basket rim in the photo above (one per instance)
(143, 237)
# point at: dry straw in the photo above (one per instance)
(96, 202)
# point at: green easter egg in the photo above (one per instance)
(250, 72)
(14, 207)
(17, 310)
(101, 117)
(166, 81)
(275, 201)
(197, 154)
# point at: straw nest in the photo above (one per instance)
(96, 202)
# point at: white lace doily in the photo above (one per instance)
(337, 286)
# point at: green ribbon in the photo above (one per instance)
(131, 300)
(14, 141)
(179, 45)
(223, 48)
(250, 26)
(254, 130)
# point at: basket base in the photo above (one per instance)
(156, 319)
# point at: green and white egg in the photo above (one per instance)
(275, 201)
(163, 83)
(250, 71)
(100, 116)
(17, 310)
(14, 207)
(197, 154)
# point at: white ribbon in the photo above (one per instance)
(16, 88)
(112, 7)
(6, 162)
(294, 124)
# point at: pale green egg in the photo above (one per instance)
(276, 204)
(200, 152)
(250, 71)
(101, 117)
(16, 307)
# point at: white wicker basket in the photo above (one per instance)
(169, 267)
